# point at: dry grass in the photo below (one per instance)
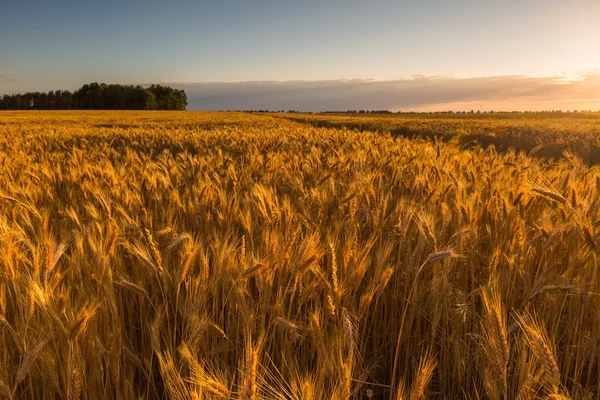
(206, 256)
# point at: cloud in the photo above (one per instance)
(567, 90)
(7, 78)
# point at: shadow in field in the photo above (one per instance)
(533, 143)
(403, 131)
(117, 126)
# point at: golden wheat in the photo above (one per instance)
(194, 255)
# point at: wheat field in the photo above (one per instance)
(180, 255)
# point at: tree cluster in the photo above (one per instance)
(99, 96)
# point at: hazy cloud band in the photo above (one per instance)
(579, 91)
(7, 78)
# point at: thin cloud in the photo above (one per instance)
(7, 78)
(421, 93)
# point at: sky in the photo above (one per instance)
(313, 55)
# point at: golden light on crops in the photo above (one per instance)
(202, 256)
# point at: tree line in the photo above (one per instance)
(99, 96)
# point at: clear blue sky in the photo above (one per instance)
(63, 44)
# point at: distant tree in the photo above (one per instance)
(167, 98)
(149, 100)
(99, 96)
